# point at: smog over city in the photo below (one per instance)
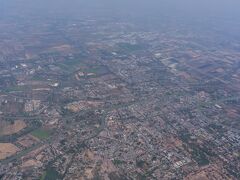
(119, 90)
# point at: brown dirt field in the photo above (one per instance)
(207, 173)
(7, 149)
(8, 129)
(82, 105)
(105, 167)
(31, 163)
(27, 140)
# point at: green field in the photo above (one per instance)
(70, 65)
(15, 88)
(118, 162)
(50, 174)
(43, 176)
(129, 48)
(41, 133)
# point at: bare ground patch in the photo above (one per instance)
(7, 149)
(8, 129)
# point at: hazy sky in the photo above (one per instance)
(219, 14)
(206, 8)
